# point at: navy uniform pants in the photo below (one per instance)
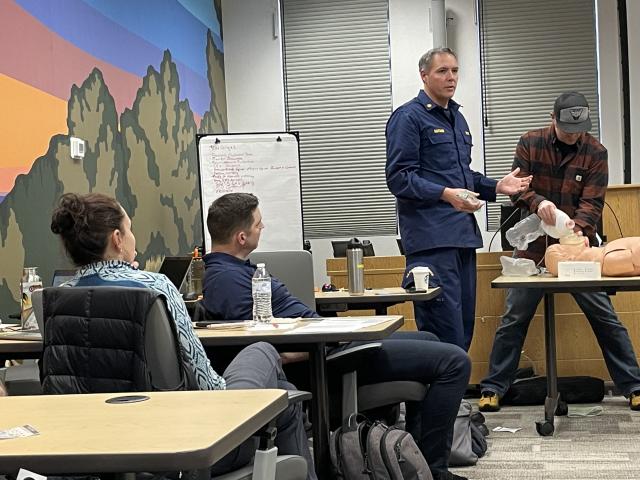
(451, 315)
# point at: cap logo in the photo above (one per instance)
(574, 114)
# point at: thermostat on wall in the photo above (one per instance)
(77, 148)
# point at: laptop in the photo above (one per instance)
(176, 269)
(61, 276)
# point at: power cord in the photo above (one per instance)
(502, 225)
(616, 217)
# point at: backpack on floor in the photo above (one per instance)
(533, 390)
(469, 433)
(362, 450)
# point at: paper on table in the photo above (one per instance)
(270, 326)
(18, 432)
(339, 325)
(286, 320)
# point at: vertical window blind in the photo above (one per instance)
(531, 52)
(338, 97)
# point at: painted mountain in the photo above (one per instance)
(138, 107)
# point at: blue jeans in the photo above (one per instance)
(419, 357)
(612, 336)
(451, 315)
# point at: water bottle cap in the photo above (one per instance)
(354, 243)
(260, 265)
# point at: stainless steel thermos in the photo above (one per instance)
(355, 267)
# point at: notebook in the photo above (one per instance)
(176, 269)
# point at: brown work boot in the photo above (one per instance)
(489, 402)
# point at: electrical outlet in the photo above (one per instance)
(77, 148)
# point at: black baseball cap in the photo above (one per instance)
(571, 112)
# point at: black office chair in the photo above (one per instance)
(375, 397)
(75, 321)
(145, 355)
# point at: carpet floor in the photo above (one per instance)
(582, 448)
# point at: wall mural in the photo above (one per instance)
(136, 81)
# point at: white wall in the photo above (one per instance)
(255, 99)
(633, 18)
(253, 66)
(610, 79)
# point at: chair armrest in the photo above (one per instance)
(296, 396)
(350, 358)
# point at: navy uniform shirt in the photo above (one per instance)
(426, 152)
(227, 290)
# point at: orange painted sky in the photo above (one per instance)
(30, 118)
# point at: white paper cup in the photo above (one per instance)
(421, 277)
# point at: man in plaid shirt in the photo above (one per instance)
(570, 173)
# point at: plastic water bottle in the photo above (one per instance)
(261, 291)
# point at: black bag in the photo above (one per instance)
(362, 450)
(533, 391)
(468, 442)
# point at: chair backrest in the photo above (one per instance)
(36, 304)
(294, 268)
(101, 339)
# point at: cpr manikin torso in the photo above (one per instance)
(619, 258)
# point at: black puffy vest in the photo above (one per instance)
(94, 343)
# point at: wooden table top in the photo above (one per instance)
(391, 294)
(242, 336)
(549, 282)
(10, 345)
(170, 431)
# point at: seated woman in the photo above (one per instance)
(618, 258)
(96, 233)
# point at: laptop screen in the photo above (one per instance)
(61, 276)
(176, 269)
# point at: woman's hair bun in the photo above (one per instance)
(67, 214)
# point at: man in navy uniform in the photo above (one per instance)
(428, 171)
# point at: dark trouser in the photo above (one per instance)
(520, 307)
(451, 315)
(419, 357)
(258, 366)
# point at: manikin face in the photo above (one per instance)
(441, 80)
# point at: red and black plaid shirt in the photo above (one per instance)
(576, 184)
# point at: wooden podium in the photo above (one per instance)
(577, 348)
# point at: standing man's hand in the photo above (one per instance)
(511, 184)
(462, 199)
(547, 212)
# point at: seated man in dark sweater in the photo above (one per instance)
(235, 223)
